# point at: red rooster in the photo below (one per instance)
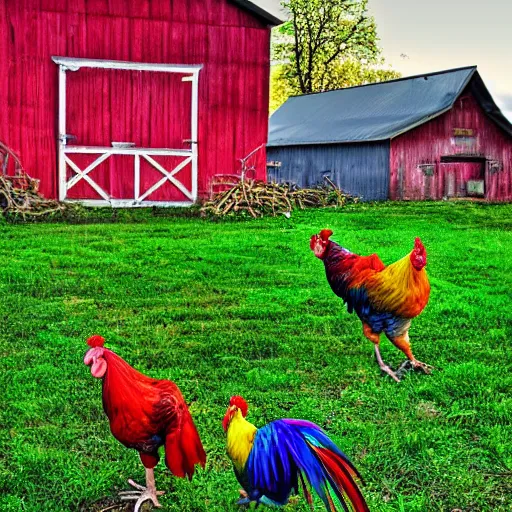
(384, 298)
(144, 414)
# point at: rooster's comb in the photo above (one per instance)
(418, 244)
(239, 402)
(96, 341)
(325, 234)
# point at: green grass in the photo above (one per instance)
(244, 308)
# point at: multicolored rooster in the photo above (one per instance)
(384, 298)
(144, 414)
(272, 462)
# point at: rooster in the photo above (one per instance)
(144, 414)
(384, 298)
(271, 462)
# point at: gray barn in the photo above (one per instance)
(360, 169)
(423, 137)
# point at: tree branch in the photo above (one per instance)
(326, 30)
(309, 73)
(298, 53)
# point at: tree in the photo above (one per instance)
(327, 44)
(321, 33)
(280, 87)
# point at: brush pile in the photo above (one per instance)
(19, 193)
(258, 199)
(19, 196)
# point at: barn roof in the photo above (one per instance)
(378, 111)
(269, 10)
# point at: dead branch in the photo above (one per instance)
(19, 196)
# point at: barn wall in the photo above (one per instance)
(429, 142)
(359, 169)
(232, 45)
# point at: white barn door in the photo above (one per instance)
(127, 133)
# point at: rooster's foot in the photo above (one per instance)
(413, 365)
(140, 495)
(425, 368)
(244, 498)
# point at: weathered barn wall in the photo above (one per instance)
(359, 169)
(232, 45)
(463, 131)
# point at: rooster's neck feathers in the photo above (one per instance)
(334, 253)
(119, 369)
(123, 384)
(240, 438)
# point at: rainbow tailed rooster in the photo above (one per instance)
(274, 461)
(384, 298)
(144, 414)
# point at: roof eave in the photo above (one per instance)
(326, 143)
(258, 11)
(494, 114)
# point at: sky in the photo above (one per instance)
(419, 36)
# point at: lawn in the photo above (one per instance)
(236, 307)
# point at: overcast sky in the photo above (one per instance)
(443, 34)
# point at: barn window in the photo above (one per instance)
(494, 166)
(427, 169)
(273, 168)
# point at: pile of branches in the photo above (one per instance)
(257, 199)
(19, 193)
(19, 196)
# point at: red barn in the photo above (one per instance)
(424, 137)
(133, 103)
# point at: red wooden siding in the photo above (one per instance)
(231, 44)
(428, 143)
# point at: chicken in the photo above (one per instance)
(271, 461)
(384, 298)
(144, 414)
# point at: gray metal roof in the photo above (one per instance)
(269, 10)
(378, 111)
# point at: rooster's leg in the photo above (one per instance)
(383, 366)
(402, 343)
(375, 339)
(142, 494)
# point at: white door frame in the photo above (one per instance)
(191, 73)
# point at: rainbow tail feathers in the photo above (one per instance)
(341, 476)
(328, 471)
